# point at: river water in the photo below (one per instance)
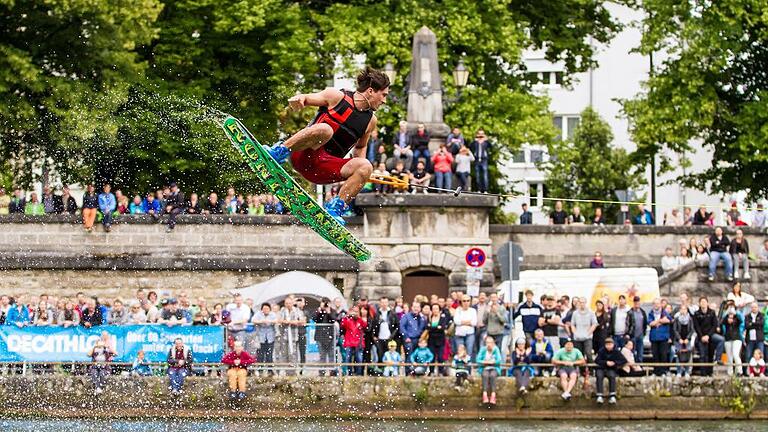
(303, 425)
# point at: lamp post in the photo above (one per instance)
(460, 76)
(389, 71)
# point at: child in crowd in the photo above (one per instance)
(141, 366)
(461, 363)
(381, 170)
(757, 364)
(391, 358)
(421, 357)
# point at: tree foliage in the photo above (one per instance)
(589, 166)
(104, 90)
(712, 90)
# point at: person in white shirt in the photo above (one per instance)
(669, 261)
(758, 216)
(465, 320)
(240, 313)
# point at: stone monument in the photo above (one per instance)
(425, 90)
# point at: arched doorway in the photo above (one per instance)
(424, 282)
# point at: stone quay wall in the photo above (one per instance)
(381, 398)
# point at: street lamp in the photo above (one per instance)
(389, 71)
(460, 75)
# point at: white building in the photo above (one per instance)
(619, 76)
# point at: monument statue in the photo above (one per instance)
(425, 90)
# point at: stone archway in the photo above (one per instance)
(425, 282)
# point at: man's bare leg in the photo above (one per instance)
(312, 137)
(356, 172)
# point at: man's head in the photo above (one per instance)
(266, 308)
(622, 300)
(482, 297)
(719, 231)
(420, 166)
(416, 307)
(238, 347)
(558, 205)
(754, 307)
(238, 298)
(636, 301)
(528, 295)
(383, 303)
(569, 345)
(374, 86)
(178, 343)
(609, 344)
(107, 187)
(288, 302)
(668, 252)
(525, 207)
(403, 126)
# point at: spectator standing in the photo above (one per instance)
(754, 329)
(621, 323)
(389, 328)
(442, 161)
(609, 361)
(237, 362)
(739, 250)
(583, 325)
(568, 359)
(645, 217)
(638, 326)
(412, 325)
(603, 330)
(576, 218)
(420, 143)
(674, 218)
(136, 314)
(240, 314)
(529, 313)
(289, 320)
(464, 160)
(702, 216)
(353, 328)
(481, 149)
(174, 205)
(683, 334)
(179, 365)
(495, 320)
(465, 321)
(719, 245)
(100, 355)
(438, 322)
(18, 313)
(660, 334)
(324, 319)
(373, 144)
(708, 338)
(51, 202)
(302, 331)
(599, 219)
(455, 141)
(117, 314)
(107, 205)
(558, 216)
(550, 320)
(68, 317)
(526, 217)
(489, 364)
(265, 321)
(731, 325)
(401, 143)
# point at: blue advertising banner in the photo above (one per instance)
(59, 344)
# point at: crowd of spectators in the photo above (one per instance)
(409, 158)
(106, 205)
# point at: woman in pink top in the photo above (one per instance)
(442, 162)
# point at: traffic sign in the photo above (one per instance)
(475, 257)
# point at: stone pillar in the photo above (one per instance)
(425, 90)
(422, 232)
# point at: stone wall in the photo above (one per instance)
(387, 398)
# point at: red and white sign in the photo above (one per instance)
(475, 257)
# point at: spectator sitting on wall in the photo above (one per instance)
(392, 359)
(739, 250)
(541, 350)
(669, 261)
(34, 207)
(107, 205)
(489, 366)
(576, 218)
(762, 254)
(101, 354)
(758, 216)
(597, 261)
(558, 216)
(599, 219)
(461, 364)
(630, 368)
(140, 365)
(526, 217)
(645, 217)
(568, 359)
(733, 216)
(179, 365)
(174, 205)
(609, 361)
(702, 217)
(521, 357)
(67, 202)
(400, 172)
(420, 177)
(718, 250)
(136, 206)
(214, 205)
(238, 361)
(193, 205)
(17, 203)
(464, 160)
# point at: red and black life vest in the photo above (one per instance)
(349, 124)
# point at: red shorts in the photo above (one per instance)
(318, 166)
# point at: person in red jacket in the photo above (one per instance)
(238, 361)
(353, 329)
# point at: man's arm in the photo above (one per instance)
(328, 97)
(362, 144)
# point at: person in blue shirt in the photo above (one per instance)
(421, 356)
(18, 314)
(645, 217)
(659, 322)
(412, 325)
(151, 206)
(489, 365)
(107, 204)
(530, 313)
(392, 359)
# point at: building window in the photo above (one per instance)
(533, 193)
(518, 157)
(557, 122)
(573, 123)
(537, 156)
(565, 125)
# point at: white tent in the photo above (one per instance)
(298, 283)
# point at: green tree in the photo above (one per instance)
(711, 91)
(590, 167)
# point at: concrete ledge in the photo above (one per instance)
(617, 229)
(377, 397)
(425, 200)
